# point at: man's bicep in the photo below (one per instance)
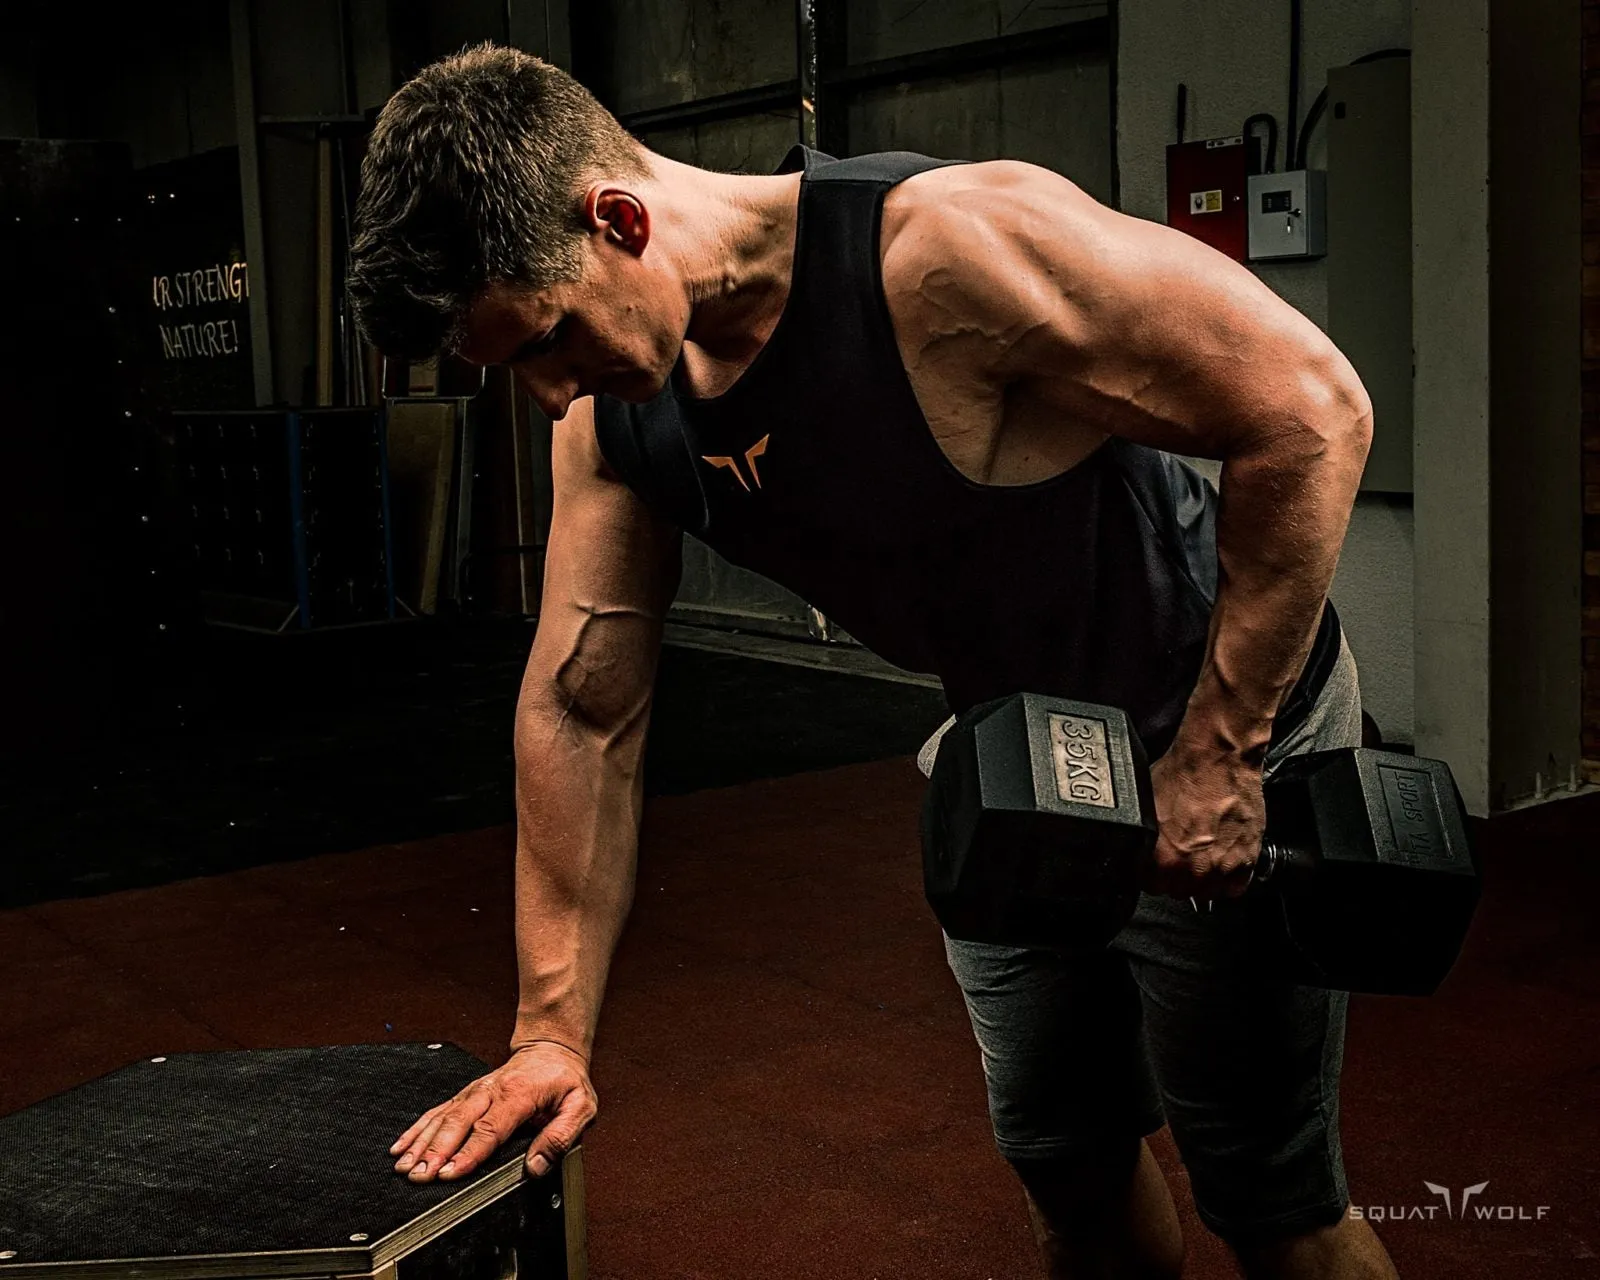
(611, 571)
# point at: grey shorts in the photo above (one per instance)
(1173, 1025)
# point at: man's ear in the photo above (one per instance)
(620, 215)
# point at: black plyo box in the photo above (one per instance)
(273, 1163)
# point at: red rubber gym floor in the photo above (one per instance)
(788, 1083)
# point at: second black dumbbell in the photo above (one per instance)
(1039, 820)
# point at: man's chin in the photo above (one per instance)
(638, 387)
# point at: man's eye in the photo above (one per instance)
(538, 346)
(548, 342)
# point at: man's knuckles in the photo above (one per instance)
(1167, 859)
(489, 1129)
(445, 1144)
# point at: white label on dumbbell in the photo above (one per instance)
(1082, 763)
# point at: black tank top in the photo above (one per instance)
(818, 470)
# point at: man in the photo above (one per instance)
(940, 403)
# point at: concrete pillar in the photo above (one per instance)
(1450, 330)
(1498, 448)
(1536, 409)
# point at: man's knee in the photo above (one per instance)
(1105, 1211)
(1082, 1179)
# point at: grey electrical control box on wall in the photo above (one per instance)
(1288, 215)
(1369, 251)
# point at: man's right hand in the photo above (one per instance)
(542, 1080)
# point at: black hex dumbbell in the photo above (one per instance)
(1039, 819)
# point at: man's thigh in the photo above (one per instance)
(1062, 1047)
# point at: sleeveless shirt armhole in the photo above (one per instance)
(615, 439)
(1178, 561)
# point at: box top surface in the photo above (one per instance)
(278, 1152)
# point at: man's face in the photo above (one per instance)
(619, 330)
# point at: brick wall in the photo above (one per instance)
(1591, 389)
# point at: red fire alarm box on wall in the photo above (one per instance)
(1207, 181)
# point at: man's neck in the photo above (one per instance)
(734, 239)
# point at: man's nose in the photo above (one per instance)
(553, 398)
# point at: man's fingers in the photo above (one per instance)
(453, 1128)
(423, 1137)
(1171, 874)
(1175, 876)
(1213, 885)
(1237, 881)
(561, 1134)
(422, 1159)
(421, 1123)
(493, 1127)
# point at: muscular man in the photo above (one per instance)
(940, 402)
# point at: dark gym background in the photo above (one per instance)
(262, 644)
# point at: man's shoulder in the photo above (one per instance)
(975, 218)
(968, 236)
(959, 209)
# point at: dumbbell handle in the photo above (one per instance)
(1282, 862)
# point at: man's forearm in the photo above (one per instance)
(578, 803)
(1282, 520)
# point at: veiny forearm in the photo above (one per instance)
(579, 798)
(1282, 520)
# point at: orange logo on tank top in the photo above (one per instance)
(750, 456)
